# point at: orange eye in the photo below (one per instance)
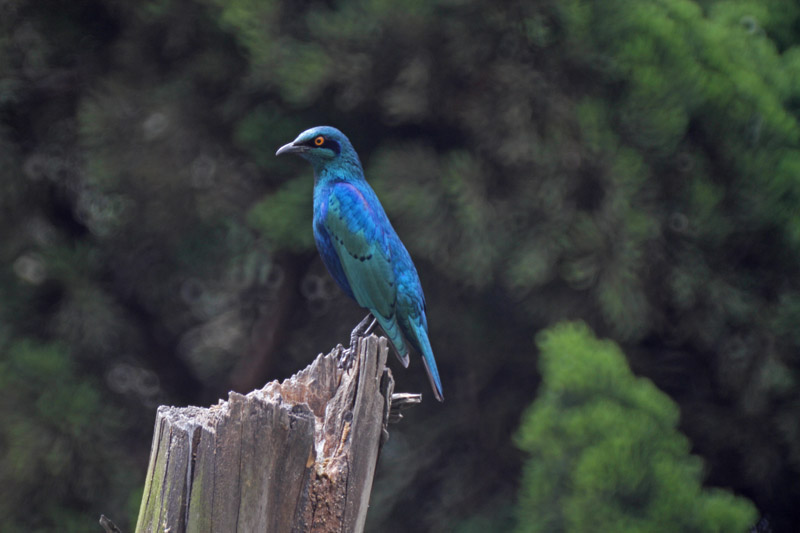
(319, 140)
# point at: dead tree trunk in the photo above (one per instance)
(297, 456)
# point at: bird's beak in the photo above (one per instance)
(291, 148)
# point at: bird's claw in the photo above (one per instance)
(361, 330)
(347, 357)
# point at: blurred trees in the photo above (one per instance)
(604, 451)
(634, 165)
(63, 447)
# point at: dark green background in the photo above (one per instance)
(633, 165)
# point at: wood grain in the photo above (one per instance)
(296, 456)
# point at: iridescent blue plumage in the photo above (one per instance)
(360, 247)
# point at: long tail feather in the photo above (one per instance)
(430, 363)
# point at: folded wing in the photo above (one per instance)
(357, 233)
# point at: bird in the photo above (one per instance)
(359, 246)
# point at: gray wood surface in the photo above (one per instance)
(296, 456)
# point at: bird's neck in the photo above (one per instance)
(345, 170)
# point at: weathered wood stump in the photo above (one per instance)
(295, 456)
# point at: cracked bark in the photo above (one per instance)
(297, 456)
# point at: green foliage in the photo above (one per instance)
(260, 131)
(604, 450)
(500, 519)
(631, 164)
(279, 215)
(58, 449)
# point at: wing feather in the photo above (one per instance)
(357, 235)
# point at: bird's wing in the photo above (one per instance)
(358, 234)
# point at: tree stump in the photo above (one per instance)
(296, 456)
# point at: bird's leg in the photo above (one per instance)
(362, 329)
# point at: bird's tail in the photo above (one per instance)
(392, 330)
(429, 361)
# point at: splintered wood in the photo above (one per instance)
(296, 456)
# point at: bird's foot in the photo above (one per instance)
(361, 330)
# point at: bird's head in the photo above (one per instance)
(323, 147)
